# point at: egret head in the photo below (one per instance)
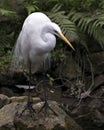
(58, 32)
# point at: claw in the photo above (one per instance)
(29, 107)
(45, 107)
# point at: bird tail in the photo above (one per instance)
(46, 63)
(16, 58)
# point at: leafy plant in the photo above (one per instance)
(6, 9)
(67, 26)
(30, 6)
(8, 13)
(91, 24)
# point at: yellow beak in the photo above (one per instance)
(66, 40)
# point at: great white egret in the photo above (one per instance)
(35, 41)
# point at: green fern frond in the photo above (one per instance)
(97, 33)
(9, 13)
(56, 8)
(67, 26)
(5, 4)
(90, 24)
(99, 20)
(30, 6)
(101, 4)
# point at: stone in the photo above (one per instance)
(23, 99)
(95, 103)
(99, 80)
(7, 116)
(98, 118)
(9, 119)
(7, 91)
(71, 68)
(3, 100)
(97, 60)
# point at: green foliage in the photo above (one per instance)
(7, 13)
(81, 21)
(8, 18)
(91, 24)
(80, 5)
(5, 61)
(5, 4)
(51, 79)
(30, 6)
(6, 43)
(101, 5)
(67, 26)
(6, 9)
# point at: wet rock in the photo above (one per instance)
(38, 121)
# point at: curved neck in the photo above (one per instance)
(48, 38)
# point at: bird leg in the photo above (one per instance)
(46, 105)
(28, 106)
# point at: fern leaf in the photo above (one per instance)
(68, 27)
(5, 12)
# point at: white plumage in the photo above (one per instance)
(35, 41)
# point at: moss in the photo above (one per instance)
(18, 99)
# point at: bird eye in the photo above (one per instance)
(56, 32)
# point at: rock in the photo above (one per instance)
(7, 114)
(98, 118)
(95, 103)
(23, 99)
(9, 120)
(3, 100)
(7, 91)
(71, 68)
(97, 60)
(99, 80)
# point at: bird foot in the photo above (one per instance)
(28, 107)
(45, 107)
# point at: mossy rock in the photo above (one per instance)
(10, 120)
